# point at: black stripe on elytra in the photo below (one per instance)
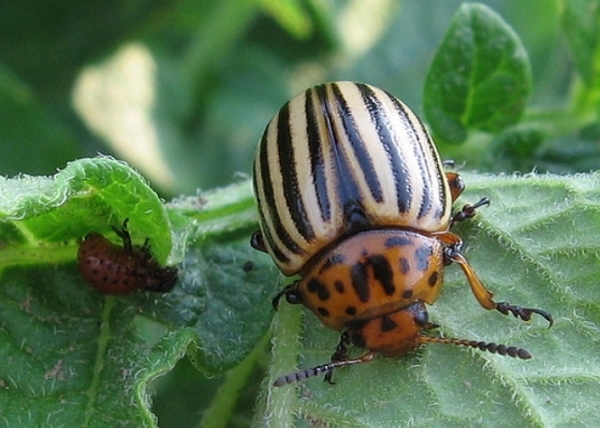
(360, 281)
(422, 256)
(314, 286)
(387, 139)
(266, 231)
(421, 155)
(359, 147)
(289, 178)
(438, 175)
(271, 207)
(383, 273)
(315, 150)
(346, 187)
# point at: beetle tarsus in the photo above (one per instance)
(468, 211)
(523, 313)
(125, 236)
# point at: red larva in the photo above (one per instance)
(113, 269)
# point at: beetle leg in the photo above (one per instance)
(340, 354)
(123, 233)
(325, 368)
(456, 183)
(484, 296)
(494, 348)
(257, 241)
(523, 313)
(468, 211)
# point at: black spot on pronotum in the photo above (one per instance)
(333, 260)
(339, 287)
(314, 286)
(351, 310)
(407, 294)
(383, 273)
(323, 312)
(360, 281)
(398, 241)
(404, 266)
(422, 256)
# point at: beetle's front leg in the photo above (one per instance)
(340, 354)
(485, 297)
(468, 211)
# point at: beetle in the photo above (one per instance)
(352, 197)
(119, 270)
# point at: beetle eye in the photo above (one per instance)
(293, 297)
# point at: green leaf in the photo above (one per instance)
(480, 77)
(290, 15)
(536, 245)
(88, 195)
(65, 342)
(27, 127)
(581, 23)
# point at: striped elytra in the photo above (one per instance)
(119, 270)
(353, 198)
(339, 158)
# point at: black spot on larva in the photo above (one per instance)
(404, 266)
(339, 287)
(398, 241)
(358, 340)
(318, 287)
(422, 255)
(433, 279)
(360, 281)
(407, 294)
(351, 310)
(387, 324)
(323, 312)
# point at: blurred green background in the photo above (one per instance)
(183, 89)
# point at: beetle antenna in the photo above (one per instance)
(301, 375)
(494, 348)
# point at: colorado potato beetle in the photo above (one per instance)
(113, 269)
(353, 197)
